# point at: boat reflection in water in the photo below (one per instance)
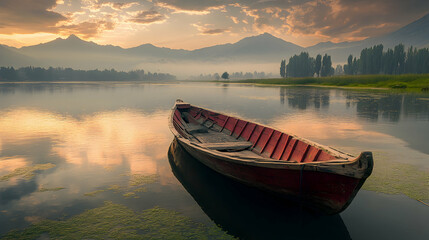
(247, 212)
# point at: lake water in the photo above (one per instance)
(66, 148)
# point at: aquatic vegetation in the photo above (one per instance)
(130, 195)
(116, 221)
(135, 185)
(139, 179)
(398, 178)
(26, 172)
(94, 193)
(141, 189)
(42, 189)
(114, 187)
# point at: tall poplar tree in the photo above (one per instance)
(283, 68)
(327, 69)
(318, 64)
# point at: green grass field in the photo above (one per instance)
(412, 82)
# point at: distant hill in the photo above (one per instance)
(150, 51)
(263, 52)
(76, 53)
(264, 47)
(257, 53)
(414, 34)
(10, 57)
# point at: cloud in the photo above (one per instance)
(214, 31)
(353, 20)
(120, 6)
(207, 29)
(299, 20)
(327, 19)
(192, 5)
(203, 5)
(28, 16)
(147, 17)
(235, 20)
(97, 5)
(270, 19)
(86, 29)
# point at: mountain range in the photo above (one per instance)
(257, 53)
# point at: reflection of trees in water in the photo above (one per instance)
(11, 88)
(305, 98)
(7, 89)
(416, 107)
(44, 87)
(282, 95)
(372, 106)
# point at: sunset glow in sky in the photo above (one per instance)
(191, 24)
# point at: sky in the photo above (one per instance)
(193, 24)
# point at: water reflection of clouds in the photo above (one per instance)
(8, 164)
(310, 125)
(350, 135)
(107, 139)
(24, 124)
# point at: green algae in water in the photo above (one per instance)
(398, 178)
(26, 172)
(130, 195)
(115, 187)
(94, 193)
(116, 221)
(42, 189)
(135, 185)
(139, 179)
(141, 189)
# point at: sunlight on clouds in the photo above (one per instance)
(192, 9)
(235, 20)
(302, 22)
(148, 17)
(178, 10)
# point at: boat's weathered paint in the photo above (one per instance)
(317, 176)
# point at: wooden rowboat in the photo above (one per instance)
(317, 176)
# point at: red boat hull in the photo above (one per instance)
(328, 192)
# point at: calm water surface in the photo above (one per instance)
(66, 148)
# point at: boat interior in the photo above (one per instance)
(242, 138)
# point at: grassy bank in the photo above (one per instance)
(413, 82)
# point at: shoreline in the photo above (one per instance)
(396, 83)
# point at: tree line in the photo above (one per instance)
(372, 60)
(393, 61)
(305, 66)
(68, 74)
(234, 75)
